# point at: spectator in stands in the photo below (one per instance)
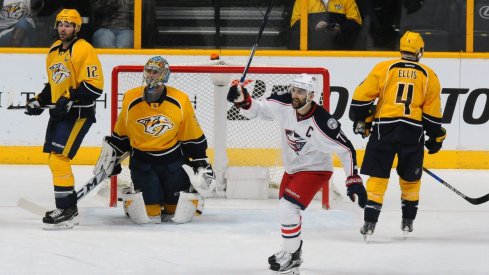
(333, 24)
(17, 27)
(316, 14)
(113, 22)
(342, 26)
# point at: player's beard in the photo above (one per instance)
(67, 38)
(297, 103)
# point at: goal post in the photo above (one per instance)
(233, 140)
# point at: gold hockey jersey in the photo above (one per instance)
(347, 8)
(75, 73)
(160, 131)
(408, 101)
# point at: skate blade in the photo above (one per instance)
(292, 271)
(58, 226)
(366, 237)
(405, 234)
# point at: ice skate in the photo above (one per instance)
(58, 218)
(367, 230)
(406, 227)
(75, 217)
(285, 262)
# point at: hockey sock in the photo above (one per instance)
(409, 209)
(291, 221)
(372, 211)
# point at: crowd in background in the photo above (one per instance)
(332, 24)
(106, 23)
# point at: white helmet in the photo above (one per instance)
(306, 82)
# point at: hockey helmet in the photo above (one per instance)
(70, 16)
(412, 42)
(156, 71)
(306, 82)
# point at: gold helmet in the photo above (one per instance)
(70, 16)
(412, 42)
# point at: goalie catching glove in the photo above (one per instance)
(201, 176)
(238, 95)
(109, 159)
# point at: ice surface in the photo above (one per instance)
(450, 235)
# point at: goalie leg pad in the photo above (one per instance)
(135, 208)
(186, 207)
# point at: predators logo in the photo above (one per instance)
(15, 11)
(156, 125)
(59, 73)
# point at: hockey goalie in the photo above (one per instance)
(170, 171)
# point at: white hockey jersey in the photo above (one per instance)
(307, 141)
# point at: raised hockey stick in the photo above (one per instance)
(475, 201)
(253, 49)
(36, 209)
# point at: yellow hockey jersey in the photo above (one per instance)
(346, 8)
(408, 101)
(160, 131)
(75, 73)
(313, 6)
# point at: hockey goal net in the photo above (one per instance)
(233, 140)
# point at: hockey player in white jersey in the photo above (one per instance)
(309, 137)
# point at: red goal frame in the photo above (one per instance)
(114, 104)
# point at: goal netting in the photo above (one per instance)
(233, 140)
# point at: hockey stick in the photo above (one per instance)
(253, 49)
(36, 209)
(474, 201)
(23, 107)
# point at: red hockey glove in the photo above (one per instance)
(354, 185)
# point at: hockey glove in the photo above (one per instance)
(109, 159)
(62, 107)
(33, 107)
(354, 185)
(238, 95)
(434, 144)
(364, 128)
(201, 176)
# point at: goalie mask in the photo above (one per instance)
(308, 84)
(70, 16)
(411, 46)
(156, 74)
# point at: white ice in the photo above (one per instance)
(450, 235)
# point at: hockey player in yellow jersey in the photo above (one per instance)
(75, 81)
(157, 124)
(408, 107)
